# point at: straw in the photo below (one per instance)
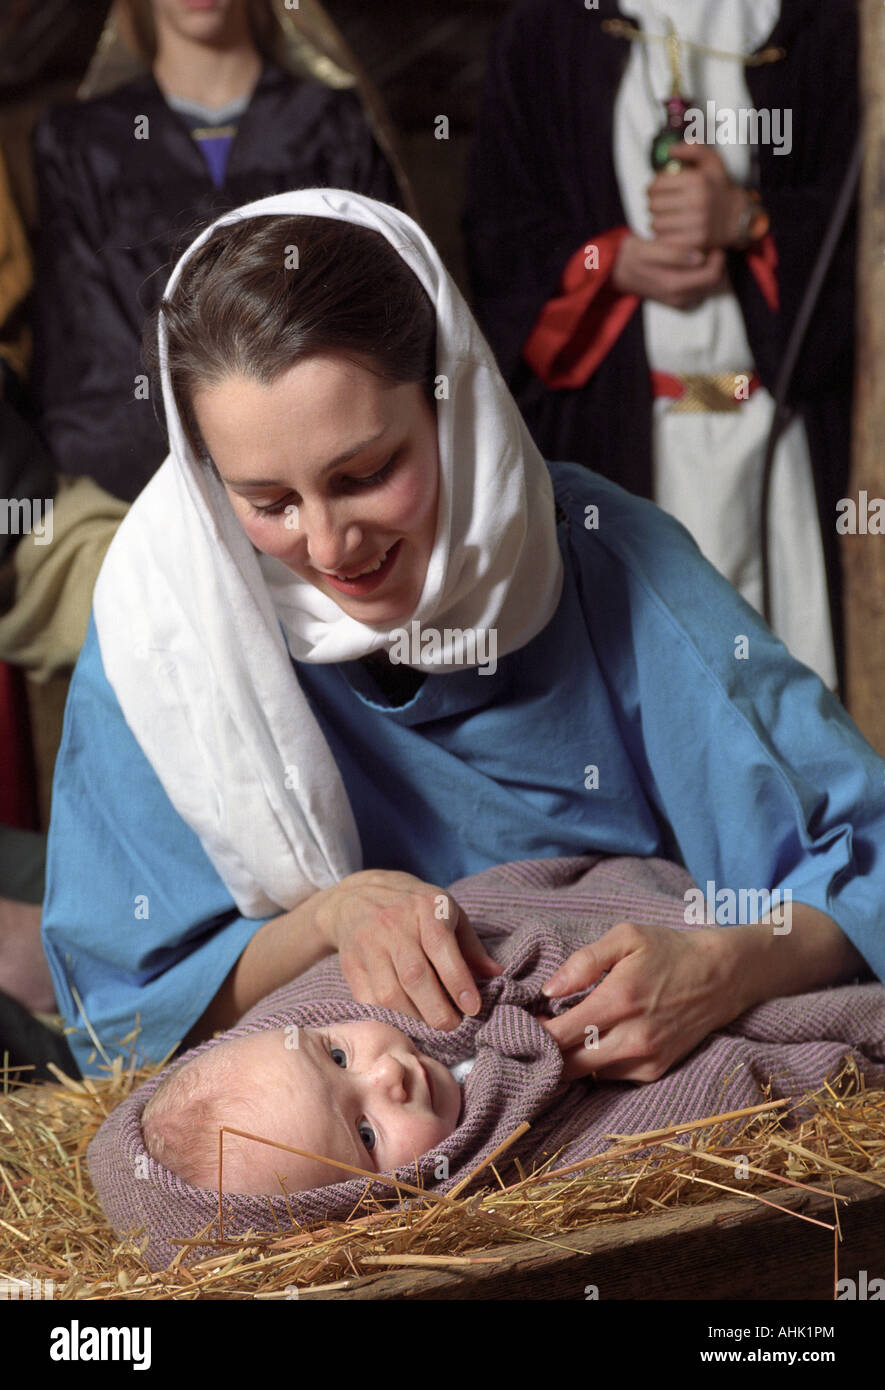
(51, 1225)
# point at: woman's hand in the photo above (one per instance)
(405, 944)
(664, 992)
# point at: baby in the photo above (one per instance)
(359, 1092)
(364, 1093)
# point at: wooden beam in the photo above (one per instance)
(731, 1249)
(863, 556)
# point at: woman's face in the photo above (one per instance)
(202, 21)
(335, 472)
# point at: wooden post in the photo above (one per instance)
(863, 556)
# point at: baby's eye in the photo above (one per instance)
(367, 1134)
(339, 1056)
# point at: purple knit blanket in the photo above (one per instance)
(531, 915)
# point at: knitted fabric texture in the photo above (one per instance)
(531, 915)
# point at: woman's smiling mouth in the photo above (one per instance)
(366, 580)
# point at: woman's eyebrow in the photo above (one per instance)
(356, 449)
(327, 468)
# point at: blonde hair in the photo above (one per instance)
(180, 1122)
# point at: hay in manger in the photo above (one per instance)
(791, 1159)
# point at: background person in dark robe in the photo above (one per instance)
(543, 184)
(123, 177)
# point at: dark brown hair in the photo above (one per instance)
(264, 293)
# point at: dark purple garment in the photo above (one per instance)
(123, 190)
(531, 915)
(542, 183)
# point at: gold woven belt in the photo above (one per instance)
(699, 393)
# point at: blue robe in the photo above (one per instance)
(655, 714)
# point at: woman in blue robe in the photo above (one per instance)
(357, 639)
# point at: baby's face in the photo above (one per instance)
(358, 1092)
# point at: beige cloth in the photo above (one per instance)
(50, 586)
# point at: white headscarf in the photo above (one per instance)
(191, 620)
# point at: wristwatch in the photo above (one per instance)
(754, 222)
